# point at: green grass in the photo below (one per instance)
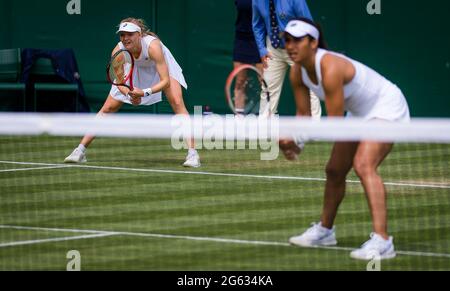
(208, 206)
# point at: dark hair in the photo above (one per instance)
(322, 43)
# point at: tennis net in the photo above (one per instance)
(132, 206)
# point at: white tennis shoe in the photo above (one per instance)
(375, 248)
(77, 156)
(192, 161)
(316, 235)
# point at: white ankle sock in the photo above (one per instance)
(193, 152)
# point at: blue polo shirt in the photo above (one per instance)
(286, 10)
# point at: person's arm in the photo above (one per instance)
(333, 79)
(259, 30)
(156, 54)
(301, 92)
(291, 148)
(302, 9)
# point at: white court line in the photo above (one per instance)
(101, 233)
(53, 229)
(57, 239)
(432, 186)
(31, 169)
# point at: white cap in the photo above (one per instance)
(129, 27)
(299, 28)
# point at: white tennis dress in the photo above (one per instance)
(145, 74)
(369, 95)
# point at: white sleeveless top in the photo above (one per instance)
(145, 74)
(368, 95)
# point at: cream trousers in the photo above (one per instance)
(274, 75)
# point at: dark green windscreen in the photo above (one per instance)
(408, 43)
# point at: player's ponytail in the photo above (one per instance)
(322, 42)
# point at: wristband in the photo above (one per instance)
(147, 92)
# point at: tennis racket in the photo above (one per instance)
(243, 90)
(120, 69)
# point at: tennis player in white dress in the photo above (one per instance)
(345, 85)
(155, 71)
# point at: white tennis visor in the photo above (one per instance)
(128, 27)
(298, 28)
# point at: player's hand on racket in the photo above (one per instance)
(136, 93)
(135, 96)
(290, 149)
(123, 90)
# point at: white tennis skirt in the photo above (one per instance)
(390, 106)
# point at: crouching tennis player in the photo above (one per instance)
(155, 71)
(345, 85)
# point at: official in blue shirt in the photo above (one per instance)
(286, 10)
(270, 18)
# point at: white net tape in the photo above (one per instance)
(225, 127)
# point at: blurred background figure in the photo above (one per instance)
(245, 50)
(270, 18)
